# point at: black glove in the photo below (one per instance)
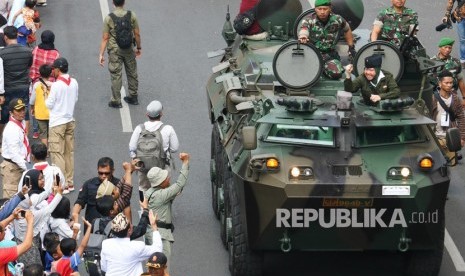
(352, 52)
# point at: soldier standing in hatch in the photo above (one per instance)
(457, 15)
(451, 64)
(395, 23)
(322, 28)
(117, 57)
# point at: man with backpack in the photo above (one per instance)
(120, 31)
(152, 143)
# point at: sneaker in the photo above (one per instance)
(131, 100)
(66, 191)
(41, 4)
(70, 188)
(35, 135)
(115, 105)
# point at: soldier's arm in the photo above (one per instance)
(377, 26)
(352, 85)
(349, 37)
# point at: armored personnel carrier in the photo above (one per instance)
(297, 164)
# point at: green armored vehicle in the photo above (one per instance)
(298, 164)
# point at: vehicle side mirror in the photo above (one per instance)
(453, 139)
(249, 137)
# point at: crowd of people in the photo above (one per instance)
(39, 228)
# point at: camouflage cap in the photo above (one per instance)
(322, 3)
(446, 41)
(119, 223)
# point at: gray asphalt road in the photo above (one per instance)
(176, 35)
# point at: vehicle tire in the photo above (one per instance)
(242, 260)
(215, 170)
(226, 212)
(427, 262)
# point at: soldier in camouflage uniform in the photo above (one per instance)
(451, 64)
(457, 16)
(323, 30)
(395, 23)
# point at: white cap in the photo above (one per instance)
(154, 109)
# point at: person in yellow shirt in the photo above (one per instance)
(39, 94)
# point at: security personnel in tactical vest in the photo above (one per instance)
(451, 64)
(322, 28)
(160, 197)
(375, 84)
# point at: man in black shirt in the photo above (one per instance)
(17, 59)
(88, 193)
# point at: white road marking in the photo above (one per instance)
(124, 112)
(454, 253)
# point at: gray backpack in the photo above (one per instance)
(150, 148)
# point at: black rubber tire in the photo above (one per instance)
(427, 262)
(226, 213)
(215, 148)
(242, 260)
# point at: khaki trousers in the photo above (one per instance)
(61, 148)
(11, 174)
(116, 60)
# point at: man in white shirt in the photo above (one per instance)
(170, 140)
(120, 255)
(60, 102)
(15, 148)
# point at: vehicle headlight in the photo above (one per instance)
(301, 173)
(399, 173)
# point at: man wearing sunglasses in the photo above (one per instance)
(88, 193)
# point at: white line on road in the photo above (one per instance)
(124, 112)
(454, 253)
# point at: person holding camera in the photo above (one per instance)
(451, 64)
(151, 143)
(10, 254)
(457, 15)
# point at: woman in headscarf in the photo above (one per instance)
(36, 202)
(375, 84)
(44, 53)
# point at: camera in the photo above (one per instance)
(22, 213)
(443, 26)
(140, 164)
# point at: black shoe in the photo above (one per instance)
(131, 100)
(115, 105)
